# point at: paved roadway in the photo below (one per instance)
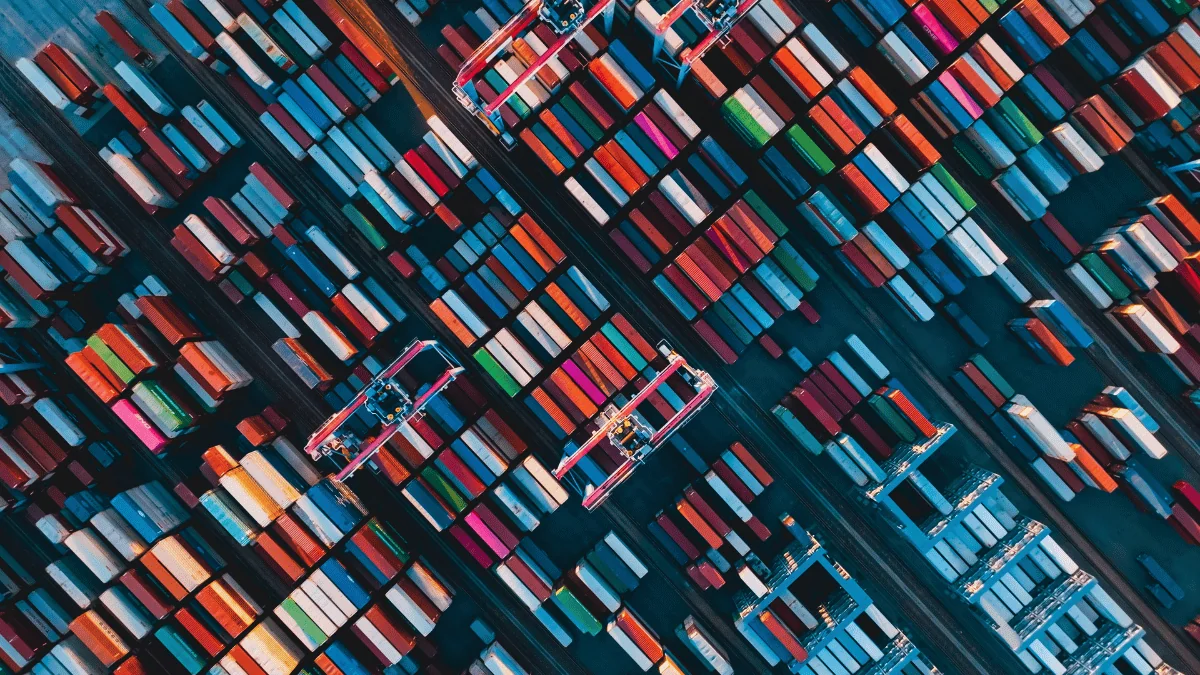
(302, 183)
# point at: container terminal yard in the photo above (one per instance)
(599, 336)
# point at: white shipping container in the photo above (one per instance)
(643, 662)
(146, 188)
(430, 584)
(247, 65)
(387, 192)
(123, 538)
(351, 150)
(128, 611)
(367, 308)
(1038, 429)
(209, 239)
(45, 86)
(413, 613)
(902, 59)
(418, 184)
(1084, 281)
(1134, 431)
(443, 132)
(145, 88)
(33, 264)
(766, 25)
(1149, 246)
(268, 306)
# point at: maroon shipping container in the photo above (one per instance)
(170, 158)
(124, 40)
(689, 549)
(272, 184)
(231, 219)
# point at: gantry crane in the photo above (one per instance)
(565, 17)
(387, 399)
(630, 434)
(718, 16)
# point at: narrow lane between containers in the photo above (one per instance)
(413, 67)
(304, 185)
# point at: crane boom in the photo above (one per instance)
(386, 399)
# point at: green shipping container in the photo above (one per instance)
(1006, 390)
(809, 150)
(584, 120)
(891, 418)
(952, 186)
(364, 227)
(744, 123)
(110, 359)
(576, 612)
(498, 373)
(443, 487)
(306, 624)
(760, 207)
(391, 539)
(795, 265)
(1104, 276)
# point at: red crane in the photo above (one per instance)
(631, 435)
(389, 401)
(565, 17)
(718, 16)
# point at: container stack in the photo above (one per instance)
(142, 578)
(731, 277)
(590, 108)
(465, 469)
(63, 80)
(44, 434)
(359, 598)
(815, 125)
(33, 615)
(1051, 331)
(622, 152)
(854, 412)
(1106, 437)
(170, 148)
(1052, 457)
(52, 246)
(1007, 566)
(156, 371)
(1144, 274)
(709, 527)
(272, 251)
(825, 619)
(310, 89)
(703, 647)
(1020, 93)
